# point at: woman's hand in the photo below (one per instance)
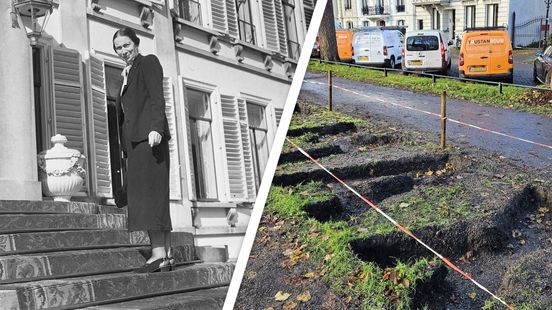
(154, 138)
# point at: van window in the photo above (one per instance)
(422, 43)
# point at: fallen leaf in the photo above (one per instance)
(328, 257)
(311, 274)
(289, 305)
(429, 173)
(406, 282)
(324, 237)
(251, 275)
(269, 308)
(362, 230)
(472, 295)
(522, 242)
(281, 296)
(304, 297)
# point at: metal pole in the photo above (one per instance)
(443, 119)
(547, 2)
(434, 78)
(330, 107)
(385, 72)
(500, 87)
(514, 30)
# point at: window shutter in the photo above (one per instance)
(282, 38)
(232, 18)
(271, 30)
(68, 99)
(308, 7)
(188, 164)
(218, 10)
(174, 178)
(247, 155)
(99, 131)
(234, 149)
(278, 113)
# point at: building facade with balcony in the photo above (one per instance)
(228, 66)
(451, 16)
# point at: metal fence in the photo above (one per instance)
(530, 33)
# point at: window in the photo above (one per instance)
(190, 10)
(436, 20)
(259, 140)
(348, 5)
(202, 151)
(492, 15)
(400, 6)
(366, 23)
(349, 25)
(400, 22)
(470, 16)
(291, 29)
(422, 43)
(245, 25)
(420, 24)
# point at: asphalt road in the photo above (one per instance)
(399, 104)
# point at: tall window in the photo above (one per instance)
(349, 25)
(400, 6)
(348, 5)
(400, 22)
(291, 29)
(245, 24)
(420, 24)
(492, 15)
(436, 20)
(201, 135)
(190, 10)
(258, 136)
(470, 16)
(366, 23)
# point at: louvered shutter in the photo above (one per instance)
(99, 129)
(218, 11)
(234, 149)
(174, 178)
(282, 37)
(278, 113)
(247, 152)
(271, 30)
(308, 7)
(188, 164)
(231, 18)
(68, 99)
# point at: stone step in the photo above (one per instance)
(72, 293)
(10, 223)
(34, 267)
(55, 207)
(207, 299)
(37, 242)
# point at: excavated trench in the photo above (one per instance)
(323, 129)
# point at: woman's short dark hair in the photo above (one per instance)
(126, 32)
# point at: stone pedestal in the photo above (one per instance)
(18, 164)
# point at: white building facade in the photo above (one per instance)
(451, 16)
(228, 66)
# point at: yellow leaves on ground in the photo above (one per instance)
(289, 305)
(294, 256)
(304, 297)
(251, 275)
(281, 296)
(472, 295)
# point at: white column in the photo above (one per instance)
(18, 165)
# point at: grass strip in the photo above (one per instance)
(516, 98)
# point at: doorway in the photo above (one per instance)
(113, 81)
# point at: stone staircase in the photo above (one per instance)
(69, 255)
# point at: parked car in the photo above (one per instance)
(426, 51)
(486, 53)
(316, 49)
(378, 47)
(542, 66)
(344, 40)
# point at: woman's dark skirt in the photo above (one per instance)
(148, 186)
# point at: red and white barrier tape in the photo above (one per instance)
(439, 115)
(400, 227)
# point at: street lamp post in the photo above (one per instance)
(547, 2)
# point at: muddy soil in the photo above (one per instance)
(504, 239)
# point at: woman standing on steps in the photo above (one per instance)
(145, 134)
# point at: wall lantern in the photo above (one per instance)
(37, 12)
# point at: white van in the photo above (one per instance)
(377, 47)
(427, 51)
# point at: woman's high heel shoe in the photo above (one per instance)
(161, 264)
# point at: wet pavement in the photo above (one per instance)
(399, 104)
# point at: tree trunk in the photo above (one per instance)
(328, 43)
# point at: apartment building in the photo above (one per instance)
(228, 66)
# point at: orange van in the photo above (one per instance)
(486, 53)
(344, 40)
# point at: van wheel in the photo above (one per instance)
(392, 63)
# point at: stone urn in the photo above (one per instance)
(61, 170)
